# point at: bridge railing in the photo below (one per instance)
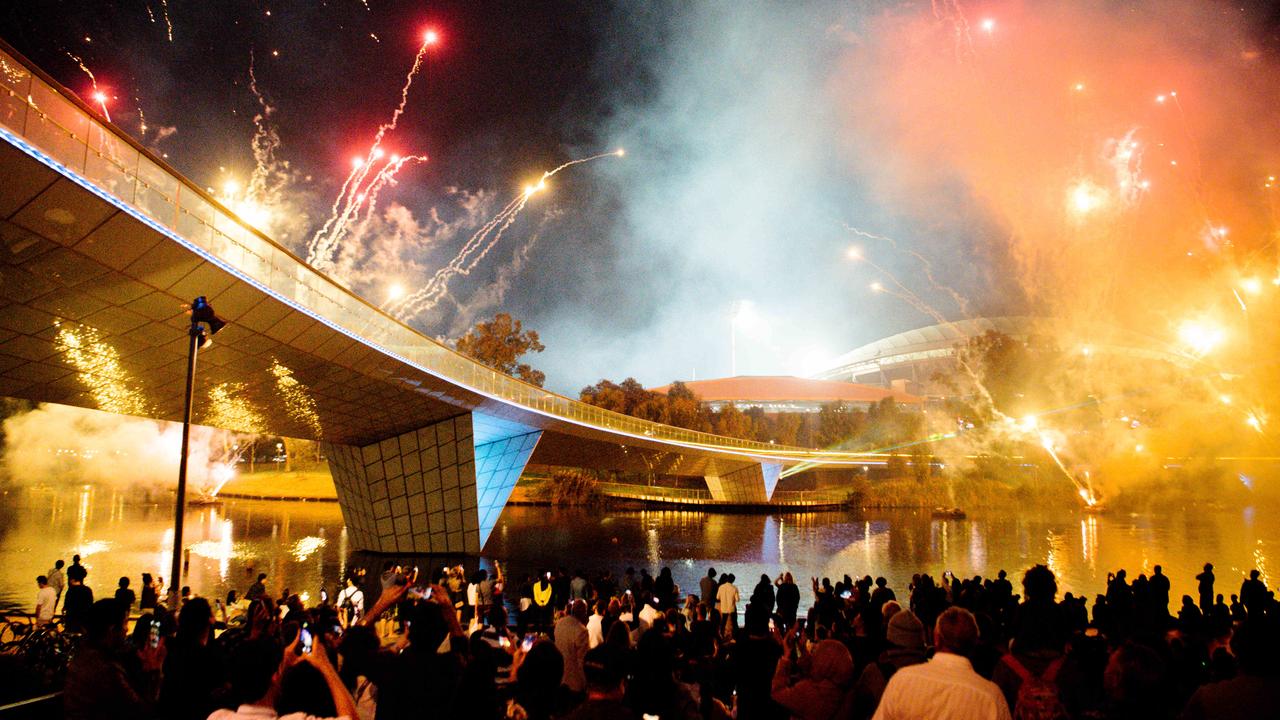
(38, 113)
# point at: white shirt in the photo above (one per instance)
(647, 615)
(46, 598)
(353, 596)
(945, 688)
(571, 641)
(595, 630)
(727, 599)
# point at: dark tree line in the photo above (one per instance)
(836, 425)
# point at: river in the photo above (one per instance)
(301, 545)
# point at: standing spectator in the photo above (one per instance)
(542, 609)
(762, 595)
(727, 601)
(788, 599)
(77, 571)
(350, 603)
(258, 590)
(79, 600)
(572, 641)
(595, 626)
(57, 580)
(946, 686)
(149, 596)
(1205, 586)
(708, 587)
(125, 596)
(194, 671)
(1253, 593)
(1159, 584)
(578, 587)
(46, 601)
(882, 594)
(98, 686)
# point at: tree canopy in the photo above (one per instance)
(500, 343)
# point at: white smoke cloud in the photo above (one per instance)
(58, 443)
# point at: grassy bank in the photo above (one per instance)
(301, 484)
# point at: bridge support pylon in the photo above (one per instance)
(437, 489)
(752, 484)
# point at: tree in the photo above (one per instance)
(732, 422)
(685, 409)
(500, 343)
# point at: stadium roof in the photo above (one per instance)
(939, 341)
(787, 388)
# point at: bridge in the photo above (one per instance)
(102, 245)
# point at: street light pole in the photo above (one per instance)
(180, 503)
(202, 315)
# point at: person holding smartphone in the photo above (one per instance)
(262, 675)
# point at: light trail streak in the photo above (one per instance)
(355, 190)
(926, 266)
(479, 244)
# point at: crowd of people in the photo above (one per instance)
(583, 645)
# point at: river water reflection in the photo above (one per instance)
(302, 545)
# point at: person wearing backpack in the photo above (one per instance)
(904, 636)
(1037, 696)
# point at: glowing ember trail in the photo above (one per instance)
(367, 177)
(479, 245)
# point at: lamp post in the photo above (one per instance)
(204, 325)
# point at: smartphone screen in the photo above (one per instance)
(305, 639)
(527, 643)
(420, 592)
(155, 633)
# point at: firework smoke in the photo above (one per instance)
(57, 443)
(479, 245)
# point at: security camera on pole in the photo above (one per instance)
(204, 325)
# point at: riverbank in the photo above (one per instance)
(303, 485)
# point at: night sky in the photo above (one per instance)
(737, 184)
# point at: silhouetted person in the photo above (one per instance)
(707, 585)
(1205, 586)
(149, 597)
(258, 590)
(77, 571)
(762, 595)
(79, 600)
(98, 685)
(788, 599)
(1253, 593)
(124, 595)
(1255, 692)
(1159, 583)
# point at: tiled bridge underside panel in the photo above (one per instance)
(438, 489)
(752, 484)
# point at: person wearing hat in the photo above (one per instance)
(904, 634)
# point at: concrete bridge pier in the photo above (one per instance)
(752, 484)
(437, 489)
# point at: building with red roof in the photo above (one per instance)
(786, 393)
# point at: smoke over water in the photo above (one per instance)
(1110, 145)
(56, 444)
(1125, 158)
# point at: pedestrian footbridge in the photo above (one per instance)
(102, 245)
